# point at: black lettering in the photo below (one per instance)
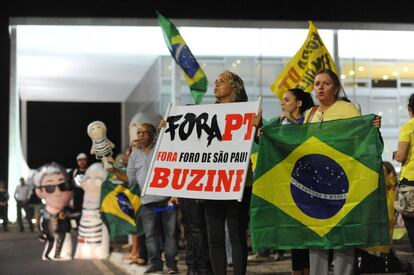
(189, 119)
(215, 131)
(172, 126)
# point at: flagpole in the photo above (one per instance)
(157, 146)
(260, 99)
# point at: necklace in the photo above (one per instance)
(320, 117)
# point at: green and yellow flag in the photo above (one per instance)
(119, 206)
(191, 70)
(319, 185)
(301, 69)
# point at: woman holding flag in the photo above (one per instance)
(294, 103)
(327, 87)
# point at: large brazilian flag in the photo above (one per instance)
(119, 207)
(191, 70)
(319, 185)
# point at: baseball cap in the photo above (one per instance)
(81, 156)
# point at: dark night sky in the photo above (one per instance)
(56, 131)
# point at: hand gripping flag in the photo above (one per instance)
(191, 70)
(319, 185)
(119, 206)
(301, 69)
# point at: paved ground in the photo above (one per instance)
(264, 267)
(20, 253)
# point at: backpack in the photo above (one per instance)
(404, 200)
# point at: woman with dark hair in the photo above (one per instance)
(294, 103)
(327, 87)
(229, 88)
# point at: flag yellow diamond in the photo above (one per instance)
(317, 185)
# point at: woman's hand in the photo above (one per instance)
(173, 200)
(162, 124)
(376, 122)
(257, 119)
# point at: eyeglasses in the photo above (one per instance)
(64, 186)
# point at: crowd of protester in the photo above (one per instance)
(207, 224)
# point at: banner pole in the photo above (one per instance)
(157, 146)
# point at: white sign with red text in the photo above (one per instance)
(204, 152)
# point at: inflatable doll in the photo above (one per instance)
(53, 185)
(93, 236)
(101, 145)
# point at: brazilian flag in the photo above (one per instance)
(119, 206)
(191, 70)
(319, 185)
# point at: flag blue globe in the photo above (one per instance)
(319, 186)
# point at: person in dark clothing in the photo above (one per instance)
(22, 195)
(229, 88)
(197, 256)
(4, 197)
(75, 174)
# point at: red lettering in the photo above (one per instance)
(210, 180)
(224, 180)
(159, 155)
(198, 174)
(233, 122)
(239, 177)
(175, 181)
(172, 156)
(283, 83)
(160, 179)
(292, 75)
(167, 156)
(248, 117)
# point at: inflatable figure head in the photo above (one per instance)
(101, 145)
(53, 185)
(94, 177)
(97, 130)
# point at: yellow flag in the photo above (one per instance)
(301, 69)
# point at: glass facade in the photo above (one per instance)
(378, 86)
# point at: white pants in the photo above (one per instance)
(343, 261)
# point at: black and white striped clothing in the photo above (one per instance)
(102, 148)
(90, 228)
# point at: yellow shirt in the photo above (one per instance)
(406, 135)
(340, 109)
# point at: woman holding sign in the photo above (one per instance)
(331, 106)
(229, 88)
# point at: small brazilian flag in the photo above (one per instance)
(319, 185)
(119, 207)
(193, 74)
